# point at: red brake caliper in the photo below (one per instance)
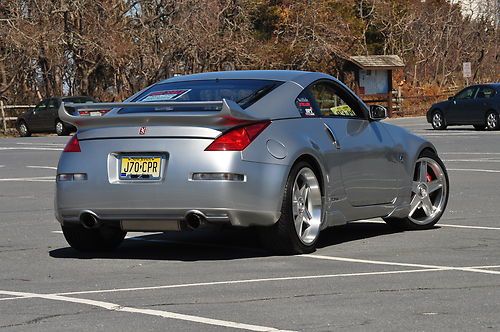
(429, 177)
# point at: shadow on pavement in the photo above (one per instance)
(222, 244)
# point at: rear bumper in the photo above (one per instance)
(255, 201)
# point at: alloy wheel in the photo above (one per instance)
(59, 128)
(306, 206)
(492, 121)
(437, 120)
(23, 129)
(429, 191)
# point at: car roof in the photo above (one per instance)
(495, 85)
(276, 75)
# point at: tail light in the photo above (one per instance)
(73, 145)
(237, 139)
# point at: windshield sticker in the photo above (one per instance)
(167, 95)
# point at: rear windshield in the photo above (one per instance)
(243, 92)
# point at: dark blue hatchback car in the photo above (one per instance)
(477, 105)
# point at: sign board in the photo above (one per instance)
(467, 70)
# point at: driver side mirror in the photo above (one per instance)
(378, 112)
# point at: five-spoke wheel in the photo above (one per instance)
(298, 228)
(306, 205)
(429, 194)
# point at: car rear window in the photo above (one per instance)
(243, 92)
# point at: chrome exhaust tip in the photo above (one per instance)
(195, 219)
(89, 220)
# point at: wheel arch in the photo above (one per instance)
(317, 169)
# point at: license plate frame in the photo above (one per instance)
(140, 167)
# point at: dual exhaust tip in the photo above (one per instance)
(193, 220)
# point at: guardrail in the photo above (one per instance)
(9, 118)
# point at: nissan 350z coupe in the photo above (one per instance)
(289, 152)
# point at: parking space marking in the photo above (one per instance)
(472, 153)
(229, 282)
(30, 148)
(41, 143)
(366, 261)
(35, 179)
(470, 227)
(42, 167)
(376, 221)
(160, 313)
(472, 160)
(474, 170)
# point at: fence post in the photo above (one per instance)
(4, 121)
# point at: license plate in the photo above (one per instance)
(140, 168)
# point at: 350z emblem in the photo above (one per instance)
(142, 130)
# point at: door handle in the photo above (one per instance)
(330, 133)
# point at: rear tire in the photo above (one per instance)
(91, 240)
(61, 129)
(429, 197)
(438, 120)
(23, 129)
(298, 228)
(492, 121)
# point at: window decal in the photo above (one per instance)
(167, 95)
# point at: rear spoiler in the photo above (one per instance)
(230, 113)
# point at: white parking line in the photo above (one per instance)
(160, 313)
(470, 227)
(233, 282)
(40, 143)
(474, 170)
(366, 261)
(472, 153)
(473, 160)
(36, 179)
(43, 167)
(29, 148)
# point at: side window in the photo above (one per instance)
(52, 103)
(485, 92)
(305, 105)
(332, 102)
(41, 106)
(467, 93)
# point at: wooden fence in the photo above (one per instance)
(9, 113)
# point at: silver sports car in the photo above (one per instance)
(289, 152)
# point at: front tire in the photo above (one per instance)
(438, 121)
(492, 121)
(297, 230)
(429, 197)
(23, 129)
(91, 240)
(61, 129)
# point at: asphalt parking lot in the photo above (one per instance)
(364, 276)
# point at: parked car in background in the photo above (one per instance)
(477, 105)
(44, 117)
